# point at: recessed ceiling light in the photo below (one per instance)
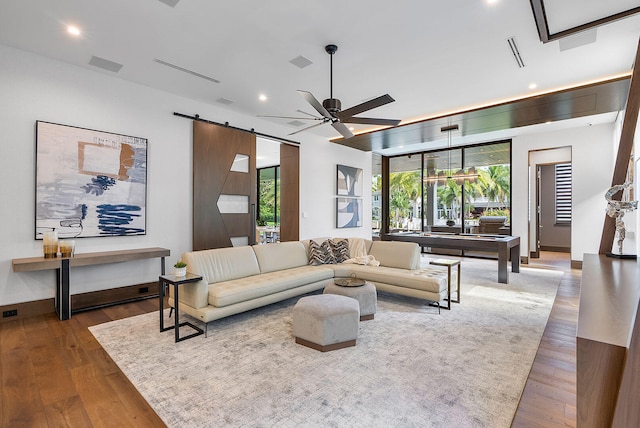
(262, 97)
(532, 86)
(73, 30)
(491, 2)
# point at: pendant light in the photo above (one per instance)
(459, 176)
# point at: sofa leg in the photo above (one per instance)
(170, 311)
(436, 304)
(206, 327)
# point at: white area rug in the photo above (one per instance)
(411, 367)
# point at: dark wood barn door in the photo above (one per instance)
(224, 186)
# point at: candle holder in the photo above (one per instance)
(67, 247)
(50, 244)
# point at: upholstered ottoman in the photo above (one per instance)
(326, 322)
(365, 294)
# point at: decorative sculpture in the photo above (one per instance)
(616, 210)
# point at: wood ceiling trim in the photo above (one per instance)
(625, 148)
(608, 96)
(540, 17)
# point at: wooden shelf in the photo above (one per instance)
(609, 297)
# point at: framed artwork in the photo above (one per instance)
(348, 212)
(349, 181)
(89, 183)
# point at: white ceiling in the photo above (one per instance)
(432, 57)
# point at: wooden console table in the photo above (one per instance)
(62, 266)
(607, 341)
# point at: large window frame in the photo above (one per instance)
(465, 207)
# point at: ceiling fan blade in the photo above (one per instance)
(315, 103)
(292, 117)
(308, 127)
(342, 129)
(367, 105)
(372, 121)
(308, 114)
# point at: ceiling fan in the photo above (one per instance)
(331, 108)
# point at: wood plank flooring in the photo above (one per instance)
(55, 374)
(549, 397)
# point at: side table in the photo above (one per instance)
(449, 264)
(176, 281)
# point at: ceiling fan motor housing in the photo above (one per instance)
(332, 105)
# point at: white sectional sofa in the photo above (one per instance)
(238, 279)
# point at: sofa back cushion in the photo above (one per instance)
(216, 265)
(284, 255)
(222, 264)
(403, 255)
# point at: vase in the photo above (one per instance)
(50, 244)
(181, 271)
(67, 247)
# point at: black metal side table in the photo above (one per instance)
(176, 281)
(449, 264)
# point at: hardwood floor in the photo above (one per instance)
(55, 374)
(549, 397)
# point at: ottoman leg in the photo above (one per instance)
(325, 348)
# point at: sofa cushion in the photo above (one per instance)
(222, 264)
(428, 279)
(402, 255)
(280, 256)
(240, 290)
(216, 265)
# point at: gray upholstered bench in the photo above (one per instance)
(326, 322)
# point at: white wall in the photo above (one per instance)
(37, 88)
(318, 190)
(592, 157)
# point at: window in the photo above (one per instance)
(405, 194)
(269, 196)
(563, 193)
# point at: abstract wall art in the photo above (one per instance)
(349, 181)
(348, 212)
(89, 183)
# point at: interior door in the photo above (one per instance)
(224, 186)
(536, 253)
(289, 192)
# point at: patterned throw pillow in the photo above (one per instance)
(340, 250)
(329, 258)
(316, 254)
